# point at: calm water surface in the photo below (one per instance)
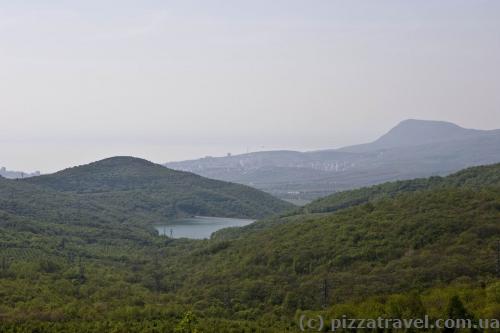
(199, 227)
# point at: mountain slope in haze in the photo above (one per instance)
(137, 186)
(412, 132)
(414, 148)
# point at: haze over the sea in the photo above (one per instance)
(172, 80)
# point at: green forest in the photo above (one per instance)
(79, 253)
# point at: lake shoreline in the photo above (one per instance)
(199, 227)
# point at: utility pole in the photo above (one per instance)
(81, 271)
(498, 258)
(325, 293)
(227, 297)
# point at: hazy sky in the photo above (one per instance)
(171, 80)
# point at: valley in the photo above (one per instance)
(70, 259)
(250, 166)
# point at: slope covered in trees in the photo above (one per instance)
(406, 254)
(139, 187)
(410, 242)
(473, 178)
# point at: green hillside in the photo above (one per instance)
(410, 242)
(65, 267)
(476, 177)
(139, 187)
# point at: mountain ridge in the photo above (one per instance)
(415, 132)
(411, 149)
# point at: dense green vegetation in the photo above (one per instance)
(141, 188)
(474, 178)
(73, 262)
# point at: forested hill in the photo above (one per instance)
(137, 186)
(440, 238)
(69, 262)
(411, 242)
(473, 178)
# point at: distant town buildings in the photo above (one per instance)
(16, 174)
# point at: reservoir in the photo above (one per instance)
(199, 227)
